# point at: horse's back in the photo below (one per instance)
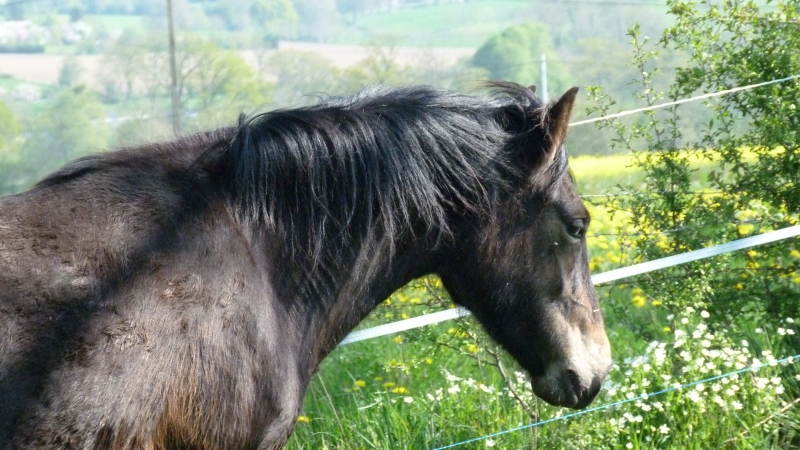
(130, 317)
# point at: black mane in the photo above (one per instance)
(395, 158)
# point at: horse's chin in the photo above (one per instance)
(566, 390)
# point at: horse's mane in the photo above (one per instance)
(395, 160)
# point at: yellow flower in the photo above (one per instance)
(797, 280)
(667, 330)
(303, 419)
(752, 253)
(795, 253)
(428, 361)
(472, 348)
(387, 302)
(360, 383)
(398, 339)
(415, 301)
(639, 301)
(738, 286)
(403, 316)
(400, 390)
(388, 315)
(752, 265)
(378, 378)
(656, 303)
(388, 384)
(745, 228)
(451, 331)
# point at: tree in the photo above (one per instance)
(753, 141)
(515, 55)
(70, 72)
(212, 81)
(71, 125)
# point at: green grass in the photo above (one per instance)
(422, 388)
(450, 25)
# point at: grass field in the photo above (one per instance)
(440, 385)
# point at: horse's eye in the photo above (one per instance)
(576, 228)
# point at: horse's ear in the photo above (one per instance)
(532, 88)
(557, 122)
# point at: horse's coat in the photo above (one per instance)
(181, 295)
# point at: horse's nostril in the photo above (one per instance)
(575, 382)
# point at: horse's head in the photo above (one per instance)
(524, 272)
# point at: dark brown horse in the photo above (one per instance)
(181, 295)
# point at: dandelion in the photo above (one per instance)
(428, 361)
(639, 301)
(388, 384)
(398, 339)
(667, 329)
(400, 390)
(303, 419)
(472, 348)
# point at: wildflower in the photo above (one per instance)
(400, 390)
(759, 330)
(795, 253)
(639, 301)
(490, 443)
(656, 303)
(388, 384)
(303, 419)
(454, 389)
(428, 361)
(628, 445)
(472, 348)
(408, 399)
(736, 405)
(738, 286)
(663, 429)
(403, 316)
(704, 314)
(398, 339)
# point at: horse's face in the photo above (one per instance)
(525, 276)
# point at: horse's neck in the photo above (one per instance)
(372, 276)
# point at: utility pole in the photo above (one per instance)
(176, 107)
(544, 79)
